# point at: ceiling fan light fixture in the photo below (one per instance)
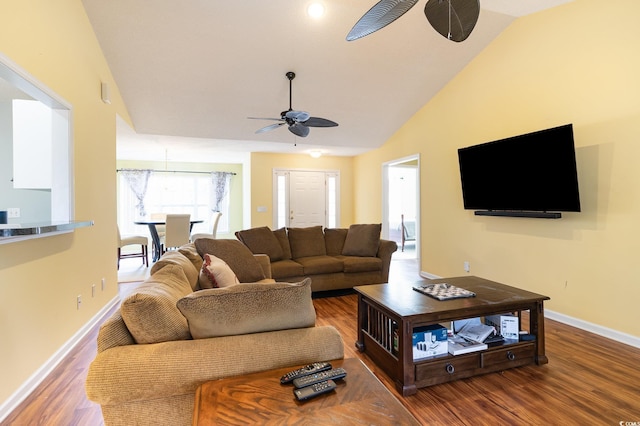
(315, 153)
(315, 10)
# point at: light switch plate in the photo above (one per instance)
(13, 213)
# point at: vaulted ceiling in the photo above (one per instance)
(191, 72)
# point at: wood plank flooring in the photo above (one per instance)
(589, 380)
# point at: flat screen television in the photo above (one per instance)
(531, 175)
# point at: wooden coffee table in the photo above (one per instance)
(260, 398)
(389, 312)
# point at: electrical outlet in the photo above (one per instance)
(78, 302)
(13, 213)
(93, 290)
(466, 266)
(104, 283)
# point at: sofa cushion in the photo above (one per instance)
(286, 268)
(177, 258)
(334, 240)
(237, 255)
(261, 241)
(151, 314)
(190, 252)
(362, 240)
(306, 242)
(361, 264)
(283, 239)
(248, 308)
(215, 273)
(320, 265)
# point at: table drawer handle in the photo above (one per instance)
(511, 356)
(450, 368)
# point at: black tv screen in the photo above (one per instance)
(532, 172)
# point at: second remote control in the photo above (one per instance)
(316, 367)
(314, 390)
(335, 374)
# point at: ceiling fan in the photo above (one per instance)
(453, 19)
(298, 121)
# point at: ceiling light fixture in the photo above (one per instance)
(316, 153)
(315, 10)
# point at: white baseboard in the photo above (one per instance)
(609, 333)
(36, 378)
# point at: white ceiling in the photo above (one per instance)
(191, 72)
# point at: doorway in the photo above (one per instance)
(304, 198)
(401, 205)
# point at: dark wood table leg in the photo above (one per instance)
(362, 318)
(156, 241)
(537, 328)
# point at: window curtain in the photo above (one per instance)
(220, 182)
(138, 181)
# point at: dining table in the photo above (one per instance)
(152, 223)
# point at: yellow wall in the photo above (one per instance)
(576, 63)
(40, 279)
(235, 189)
(262, 166)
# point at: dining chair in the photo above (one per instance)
(216, 219)
(133, 240)
(178, 231)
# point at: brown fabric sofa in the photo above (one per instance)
(334, 258)
(148, 364)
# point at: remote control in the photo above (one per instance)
(316, 367)
(314, 390)
(312, 379)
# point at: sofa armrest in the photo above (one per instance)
(145, 372)
(265, 263)
(385, 250)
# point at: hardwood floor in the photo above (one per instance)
(589, 380)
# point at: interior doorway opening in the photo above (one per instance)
(401, 205)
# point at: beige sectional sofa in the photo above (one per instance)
(170, 336)
(334, 258)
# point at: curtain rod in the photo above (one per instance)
(177, 171)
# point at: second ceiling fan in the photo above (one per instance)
(298, 122)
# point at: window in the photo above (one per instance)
(171, 192)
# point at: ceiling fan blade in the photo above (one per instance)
(270, 127)
(319, 122)
(379, 16)
(453, 19)
(265, 118)
(297, 115)
(299, 129)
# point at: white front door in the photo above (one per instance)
(307, 199)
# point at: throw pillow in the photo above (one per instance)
(215, 273)
(307, 242)
(261, 241)
(362, 240)
(151, 314)
(334, 240)
(237, 255)
(283, 239)
(248, 308)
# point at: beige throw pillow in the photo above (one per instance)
(261, 241)
(215, 273)
(237, 255)
(306, 242)
(362, 240)
(151, 314)
(248, 308)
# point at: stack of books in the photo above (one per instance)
(470, 338)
